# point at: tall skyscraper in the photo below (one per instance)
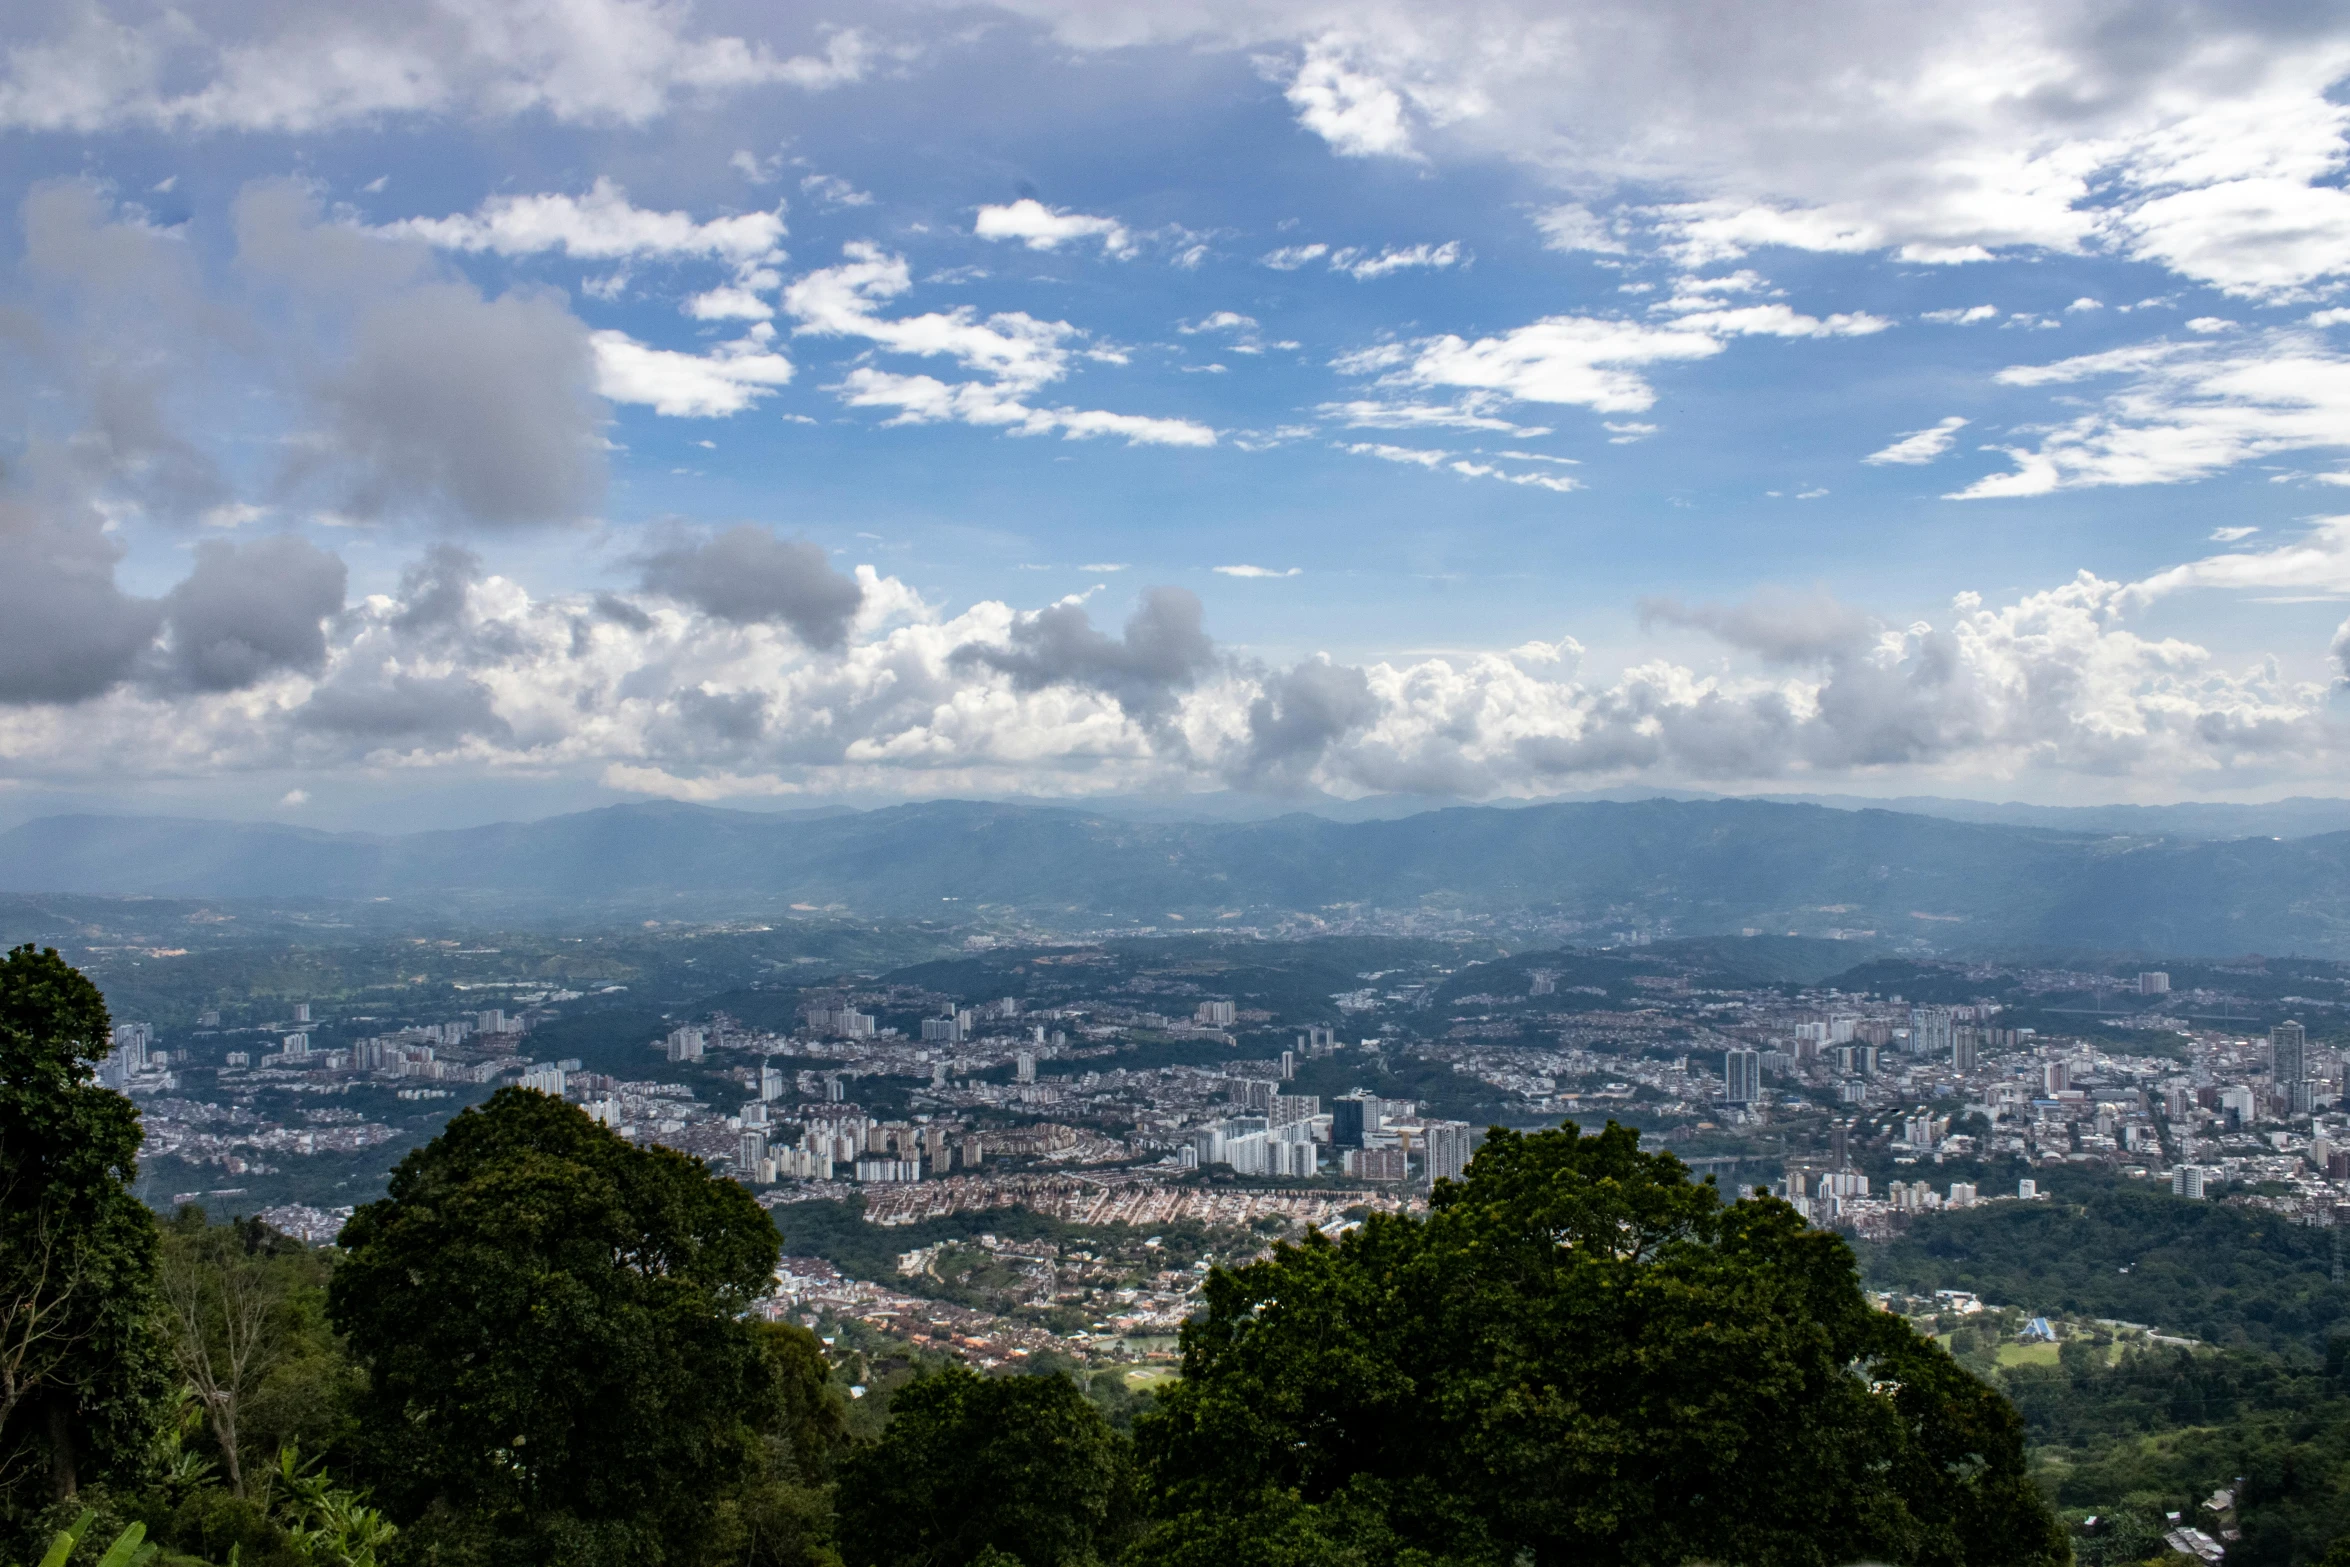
(1447, 1150)
(1024, 1066)
(1741, 1076)
(1929, 1030)
(1963, 1045)
(1350, 1119)
(2288, 1048)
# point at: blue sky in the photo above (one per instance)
(449, 409)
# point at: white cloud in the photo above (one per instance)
(1472, 412)
(1468, 468)
(1219, 321)
(2231, 535)
(690, 681)
(1363, 266)
(1291, 257)
(2184, 410)
(1920, 446)
(1017, 353)
(2201, 137)
(1583, 360)
(1573, 227)
(1966, 317)
(2318, 563)
(1781, 321)
(658, 695)
(1040, 227)
(722, 382)
(1355, 111)
(834, 191)
(602, 225)
(96, 66)
(1419, 456)
(922, 399)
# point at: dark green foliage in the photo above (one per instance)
(1023, 1467)
(2161, 1429)
(549, 1319)
(2224, 1274)
(1580, 1355)
(77, 1249)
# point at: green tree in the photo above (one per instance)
(1579, 1356)
(82, 1383)
(550, 1321)
(1020, 1470)
(244, 1320)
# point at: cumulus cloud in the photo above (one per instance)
(249, 611)
(396, 389)
(67, 632)
(714, 385)
(1297, 716)
(1257, 571)
(1040, 227)
(404, 710)
(449, 400)
(747, 575)
(1357, 112)
(1920, 446)
(100, 66)
(665, 694)
(2181, 411)
(1164, 651)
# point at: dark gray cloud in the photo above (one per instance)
(1775, 625)
(117, 343)
(404, 707)
(429, 400)
(67, 633)
(729, 718)
(748, 576)
(464, 408)
(433, 592)
(1163, 653)
(248, 611)
(621, 612)
(1299, 715)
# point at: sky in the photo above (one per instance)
(439, 411)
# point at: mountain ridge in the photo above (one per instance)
(1683, 868)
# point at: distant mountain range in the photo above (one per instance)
(1687, 867)
(2299, 817)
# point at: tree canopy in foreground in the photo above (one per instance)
(559, 1369)
(1580, 1355)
